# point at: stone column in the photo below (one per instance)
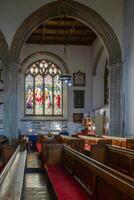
(11, 100)
(116, 99)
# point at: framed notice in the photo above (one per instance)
(79, 79)
(77, 117)
(79, 98)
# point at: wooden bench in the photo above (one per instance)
(115, 157)
(11, 178)
(75, 143)
(97, 179)
(6, 151)
(22, 142)
(3, 139)
(90, 140)
(64, 185)
(122, 142)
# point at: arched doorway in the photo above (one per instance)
(103, 31)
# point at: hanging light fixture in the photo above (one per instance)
(66, 78)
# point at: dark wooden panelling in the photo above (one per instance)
(62, 31)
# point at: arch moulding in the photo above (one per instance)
(4, 61)
(75, 10)
(4, 50)
(42, 54)
(103, 30)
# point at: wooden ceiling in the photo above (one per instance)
(62, 30)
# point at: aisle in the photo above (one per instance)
(33, 161)
(35, 181)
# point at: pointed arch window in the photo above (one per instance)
(43, 90)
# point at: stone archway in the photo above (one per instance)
(4, 60)
(4, 64)
(104, 32)
(4, 50)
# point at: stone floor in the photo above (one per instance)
(35, 187)
(33, 161)
(34, 183)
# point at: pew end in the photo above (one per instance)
(53, 154)
(21, 142)
(98, 152)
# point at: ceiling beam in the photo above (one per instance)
(59, 27)
(72, 30)
(53, 42)
(62, 35)
(43, 34)
(62, 31)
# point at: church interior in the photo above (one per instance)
(66, 100)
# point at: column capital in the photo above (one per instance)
(14, 67)
(14, 60)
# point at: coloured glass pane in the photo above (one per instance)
(29, 94)
(38, 95)
(48, 95)
(57, 96)
(43, 90)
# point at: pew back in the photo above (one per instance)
(22, 142)
(122, 142)
(6, 152)
(100, 181)
(117, 158)
(11, 178)
(75, 143)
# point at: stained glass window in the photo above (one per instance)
(43, 90)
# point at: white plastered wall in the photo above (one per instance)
(98, 78)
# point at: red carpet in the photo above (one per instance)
(65, 186)
(38, 146)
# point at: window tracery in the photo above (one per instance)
(43, 90)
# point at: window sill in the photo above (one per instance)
(37, 118)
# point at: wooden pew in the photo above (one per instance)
(3, 139)
(6, 151)
(74, 143)
(114, 157)
(100, 181)
(43, 141)
(11, 178)
(90, 140)
(60, 183)
(122, 142)
(22, 142)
